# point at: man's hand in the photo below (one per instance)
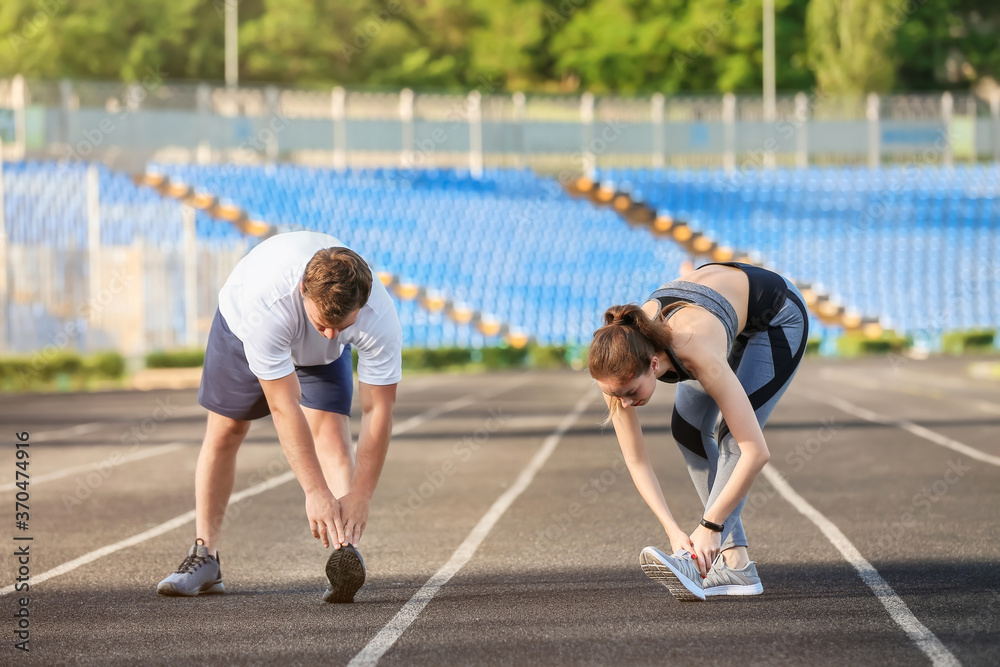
(323, 512)
(354, 514)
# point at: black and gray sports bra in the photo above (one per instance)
(768, 292)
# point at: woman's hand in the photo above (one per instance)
(679, 540)
(706, 547)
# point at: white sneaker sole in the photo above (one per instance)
(172, 591)
(734, 589)
(657, 567)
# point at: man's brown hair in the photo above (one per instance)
(338, 281)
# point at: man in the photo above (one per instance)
(280, 345)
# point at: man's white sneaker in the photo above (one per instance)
(199, 573)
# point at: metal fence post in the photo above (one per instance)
(970, 105)
(519, 103)
(947, 109)
(338, 111)
(659, 149)
(729, 132)
(65, 106)
(406, 118)
(801, 130)
(4, 289)
(475, 134)
(190, 250)
(203, 97)
(872, 112)
(995, 114)
(93, 252)
(271, 145)
(19, 99)
(587, 126)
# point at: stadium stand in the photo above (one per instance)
(510, 244)
(512, 256)
(915, 246)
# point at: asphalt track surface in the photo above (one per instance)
(551, 575)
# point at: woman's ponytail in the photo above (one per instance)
(626, 343)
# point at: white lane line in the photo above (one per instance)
(165, 527)
(457, 404)
(905, 425)
(915, 390)
(90, 427)
(183, 519)
(115, 459)
(925, 640)
(388, 635)
(947, 381)
(72, 431)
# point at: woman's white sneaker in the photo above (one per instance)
(678, 572)
(723, 580)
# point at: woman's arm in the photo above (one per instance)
(721, 383)
(629, 433)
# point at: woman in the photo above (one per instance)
(732, 335)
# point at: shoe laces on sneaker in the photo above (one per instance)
(195, 559)
(192, 563)
(688, 563)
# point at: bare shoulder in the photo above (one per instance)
(698, 333)
(651, 308)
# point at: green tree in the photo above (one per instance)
(627, 46)
(850, 50)
(112, 39)
(945, 44)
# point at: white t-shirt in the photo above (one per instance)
(262, 305)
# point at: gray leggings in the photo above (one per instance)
(765, 363)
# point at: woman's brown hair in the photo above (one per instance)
(626, 344)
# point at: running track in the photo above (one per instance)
(505, 530)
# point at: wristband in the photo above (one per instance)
(714, 527)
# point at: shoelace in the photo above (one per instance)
(191, 563)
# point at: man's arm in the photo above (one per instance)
(377, 405)
(322, 509)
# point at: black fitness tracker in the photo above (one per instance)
(714, 527)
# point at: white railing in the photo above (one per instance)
(201, 122)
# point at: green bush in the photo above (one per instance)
(960, 342)
(548, 357)
(436, 359)
(856, 344)
(495, 358)
(47, 369)
(105, 365)
(176, 359)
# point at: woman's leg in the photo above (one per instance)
(766, 367)
(693, 427)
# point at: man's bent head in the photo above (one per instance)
(338, 282)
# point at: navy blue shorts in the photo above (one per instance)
(229, 387)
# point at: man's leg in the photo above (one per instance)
(332, 435)
(215, 475)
